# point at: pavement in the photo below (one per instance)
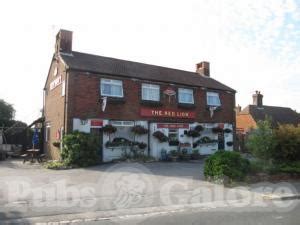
(30, 194)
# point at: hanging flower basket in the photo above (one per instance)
(227, 130)
(193, 133)
(217, 130)
(109, 129)
(229, 143)
(160, 136)
(139, 130)
(199, 128)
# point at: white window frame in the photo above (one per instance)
(112, 82)
(153, 87)
(212, 94)
(186, 91)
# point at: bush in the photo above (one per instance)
(56, 165)
(80, 149)
(226, 164)
(292, 167)
(287, 147)
(261, 141)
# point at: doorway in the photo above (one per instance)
(99, 134)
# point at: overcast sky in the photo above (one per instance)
(251, 45)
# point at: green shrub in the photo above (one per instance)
(261, 141)
(287, 147)
(56, 165)
(224, 163)
(80, 149)
(292, 167)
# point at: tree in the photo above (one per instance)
(261, 141)
(7, 112)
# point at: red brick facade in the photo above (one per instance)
(84, 96)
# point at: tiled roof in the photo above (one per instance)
(118, 67)
(279, 115)
(244, 122)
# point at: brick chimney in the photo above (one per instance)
(257, 99)
(64, 41)
(203, 68)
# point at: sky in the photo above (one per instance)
(250, 44)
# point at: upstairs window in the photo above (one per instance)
(185, 96)
(213, 99)
(111, 88)
(150, 92)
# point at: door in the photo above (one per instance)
(99, 134)
(221, 144)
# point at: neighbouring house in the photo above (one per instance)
(86, 92)
(247, 118)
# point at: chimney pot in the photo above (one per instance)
(203, 68)
(257, 99)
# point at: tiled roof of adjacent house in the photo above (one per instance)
(112, 66)
(279, 115)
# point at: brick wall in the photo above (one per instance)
(84, 95)
(54, 107)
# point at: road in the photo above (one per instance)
(223, 216)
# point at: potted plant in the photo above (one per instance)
(195, 154)
(173, 155)
(160, 136)
(185, 156)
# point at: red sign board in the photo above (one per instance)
(167, 113)
(96, 123)
(173, 125)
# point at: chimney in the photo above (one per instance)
(257, 99)
(238, 109)
(203, 68)
(63, 41)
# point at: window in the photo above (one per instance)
(63, 88)
(173, 134)
(47, 132)
(213, 99)
(150, 92)
(112, 88)
(185, 96)
(55, 72)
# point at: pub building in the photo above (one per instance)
(87, 92)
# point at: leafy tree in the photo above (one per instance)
(7, 112)
(261, 141)
(287, 148)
